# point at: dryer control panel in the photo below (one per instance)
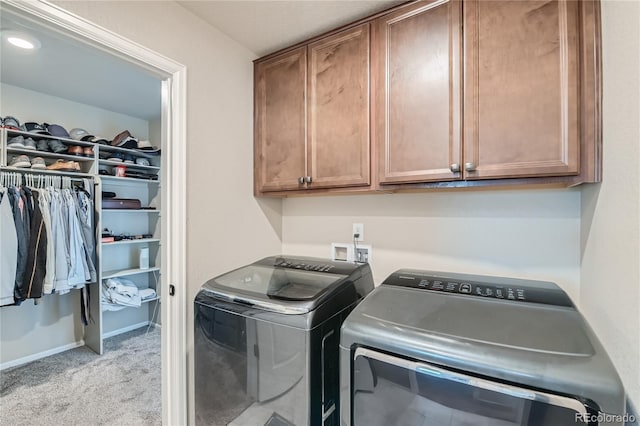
(499, 288)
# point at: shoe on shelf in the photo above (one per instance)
(140, 161)
(87, 151)
(128, 158)
(43, 145)
(116, 156)
(29, 143)
(38, 163)
(20, 161)
(64, 166)
(57, 146)
(75, 150)
(16, 142)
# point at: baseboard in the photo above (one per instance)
(125, 329)
(40, 355)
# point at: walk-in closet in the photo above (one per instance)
(81, 220)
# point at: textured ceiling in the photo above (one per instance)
(266, 26)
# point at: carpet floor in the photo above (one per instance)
(79, 387)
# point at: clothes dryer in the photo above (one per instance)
(432, 349)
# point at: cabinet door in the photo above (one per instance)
(521, 88)
(280, 117)
(417, 90)
(338, 117)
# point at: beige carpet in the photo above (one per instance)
(78, 387)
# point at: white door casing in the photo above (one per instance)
(173, 188)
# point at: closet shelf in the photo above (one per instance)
(45, 154)
(110, 179)
(44, 172)
(130, 210)
(128, 165)
(134, 152)
(136, 307)
(140, 241)
(126, 272)
(38, 136)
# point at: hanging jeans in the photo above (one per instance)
(8, 250)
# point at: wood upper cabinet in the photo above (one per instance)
(280, 86)
(522, 88)
(312, 115)
(417, 87)
(338, 109)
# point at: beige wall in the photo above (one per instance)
(527, 234)
(610, 279)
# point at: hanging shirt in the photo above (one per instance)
(8, 249)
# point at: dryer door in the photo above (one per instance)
(388, 391)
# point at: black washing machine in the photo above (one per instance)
(267, 341)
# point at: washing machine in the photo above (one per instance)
(434, 349)
(266, 341)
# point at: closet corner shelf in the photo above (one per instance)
(111, 179)
(140, 241)
(126, 272)
(134, 152)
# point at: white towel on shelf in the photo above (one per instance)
(147, 293)
(120, 291)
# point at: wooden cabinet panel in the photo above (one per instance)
(280, 121)
(521, 88)
(417, 90)
(338, 109)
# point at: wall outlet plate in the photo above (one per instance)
(346, 252)
(358, 228)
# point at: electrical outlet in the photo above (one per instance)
(358, 228)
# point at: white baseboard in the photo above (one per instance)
(125, 329)
(40, 355)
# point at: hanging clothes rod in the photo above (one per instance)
(28, 178)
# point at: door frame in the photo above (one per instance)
(173, 188)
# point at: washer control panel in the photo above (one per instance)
(508, 290)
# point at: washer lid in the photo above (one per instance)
(286, 285)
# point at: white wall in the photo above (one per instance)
(526, 234)
(226, 226)
(27, 329)
(610, 280)
(27, 105)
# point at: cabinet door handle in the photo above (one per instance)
(455, 168)
(308, 179)
(301, 180)
(470, 167)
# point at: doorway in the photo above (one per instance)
(171, 125)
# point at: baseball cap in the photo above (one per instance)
(36, 128)
(11, 123)
(57, 130)
(80, 134)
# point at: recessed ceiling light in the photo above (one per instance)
(21, 40)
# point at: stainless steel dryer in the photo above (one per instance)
(266, 341)
(434, 349)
